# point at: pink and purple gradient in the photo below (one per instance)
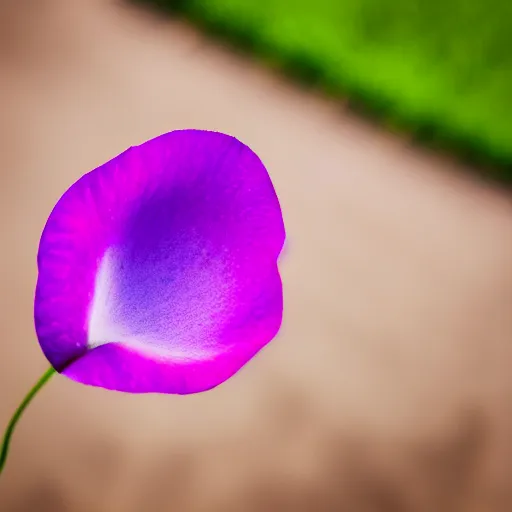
(158, 270)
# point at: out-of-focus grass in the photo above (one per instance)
(441, 69)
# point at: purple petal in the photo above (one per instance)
(158, 270)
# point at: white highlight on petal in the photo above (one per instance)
(183, 323)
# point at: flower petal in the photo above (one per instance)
(158, 270)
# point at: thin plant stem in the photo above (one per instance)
(4, 446)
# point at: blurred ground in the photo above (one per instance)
(388, 388)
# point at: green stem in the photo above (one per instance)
(4, 446)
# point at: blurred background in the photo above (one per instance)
(386, 129)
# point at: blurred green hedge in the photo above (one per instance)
(439, 69)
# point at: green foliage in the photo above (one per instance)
(441, 69)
